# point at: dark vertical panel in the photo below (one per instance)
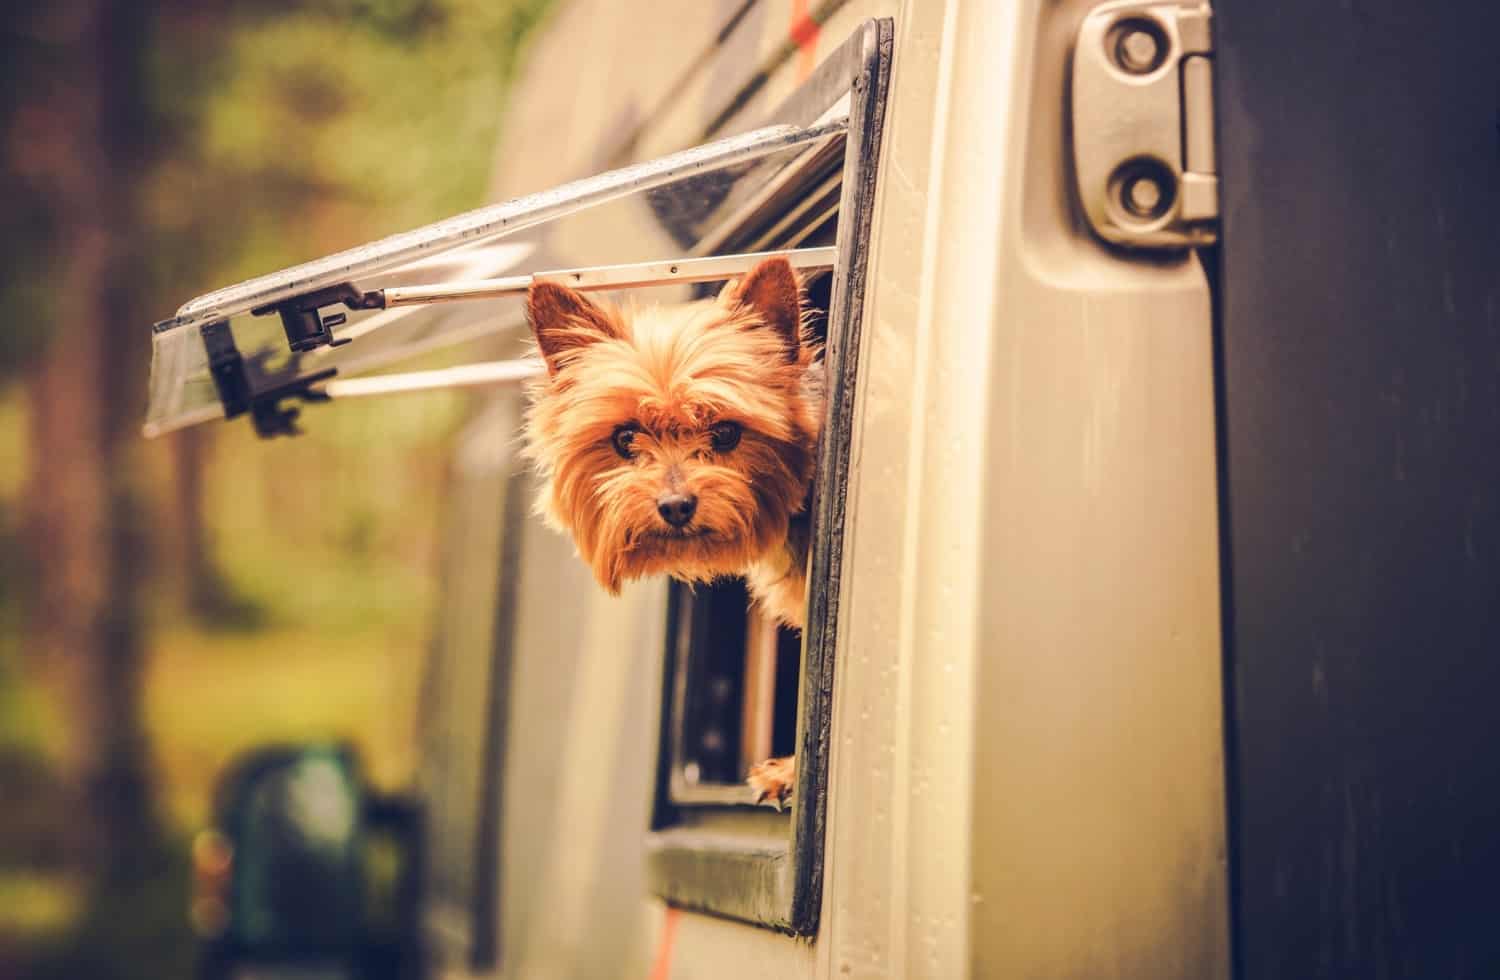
(1360, 360)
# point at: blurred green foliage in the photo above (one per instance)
(278, 131)
(322, 124)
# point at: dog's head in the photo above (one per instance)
(678, 439)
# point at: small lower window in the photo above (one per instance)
(735, 697)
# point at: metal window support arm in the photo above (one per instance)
(308, 328)
(630, 276)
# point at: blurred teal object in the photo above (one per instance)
(286, 876)
(297, 881)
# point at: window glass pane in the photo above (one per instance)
(667, 205)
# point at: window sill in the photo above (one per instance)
(741, 876)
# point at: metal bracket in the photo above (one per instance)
(227, 367)
(1143, 124)
(307, 328)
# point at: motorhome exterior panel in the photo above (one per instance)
(1028, 744)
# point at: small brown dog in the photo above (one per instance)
(681, 440)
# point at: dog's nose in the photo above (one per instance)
(676, 508)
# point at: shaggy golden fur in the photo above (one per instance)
(680, 440)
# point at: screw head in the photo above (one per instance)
(1137, 45)
(1138, 48)
(1143, 196)
(1142, 189)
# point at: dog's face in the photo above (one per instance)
(675, 440)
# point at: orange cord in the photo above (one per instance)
(662, 968)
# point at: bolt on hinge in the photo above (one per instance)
(1143, 124)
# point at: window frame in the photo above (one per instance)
(764, 867)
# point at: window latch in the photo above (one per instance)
(1143, 124)
(307, 328)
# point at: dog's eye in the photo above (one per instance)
(725, 436)
(624, 440)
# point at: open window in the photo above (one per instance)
(735, 688)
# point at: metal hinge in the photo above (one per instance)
(1143, 124)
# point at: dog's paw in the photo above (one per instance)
(773, 780)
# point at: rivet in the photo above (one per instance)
(1137, 45)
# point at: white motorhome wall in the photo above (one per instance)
(1026, 775)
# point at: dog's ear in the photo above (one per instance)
(771, 289)
(563, 320)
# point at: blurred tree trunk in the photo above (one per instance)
(205, 593)
(79, 141)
